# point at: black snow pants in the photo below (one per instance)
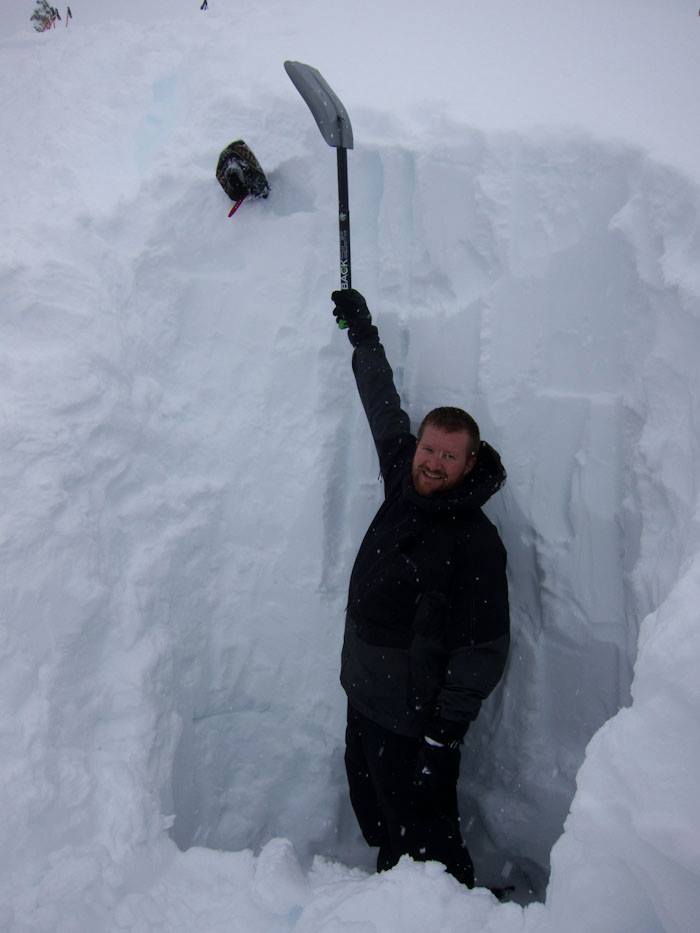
(395, 814)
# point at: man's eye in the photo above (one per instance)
(450, 457)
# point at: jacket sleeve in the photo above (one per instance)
(478, 638)
(388, 422)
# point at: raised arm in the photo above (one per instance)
(388, 422)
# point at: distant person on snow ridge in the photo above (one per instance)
(427, 625)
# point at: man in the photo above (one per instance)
(427, 626)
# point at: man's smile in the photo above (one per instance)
(430, 475)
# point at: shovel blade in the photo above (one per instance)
(325, 106)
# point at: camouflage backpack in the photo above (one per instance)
(239, 173)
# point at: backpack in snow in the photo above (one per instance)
(239, 173)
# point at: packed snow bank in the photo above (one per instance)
(627, 70)
(187, 474)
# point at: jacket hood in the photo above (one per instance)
(485, 479)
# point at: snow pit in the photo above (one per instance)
(187, 475)
(530, 301)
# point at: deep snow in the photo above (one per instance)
(186, 470)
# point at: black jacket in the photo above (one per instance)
(427, 627)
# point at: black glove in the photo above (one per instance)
(445, 731)
(436, 774)
(351, 311)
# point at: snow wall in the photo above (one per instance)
(187, 474)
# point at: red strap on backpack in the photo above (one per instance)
(236, 206)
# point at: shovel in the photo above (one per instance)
(333, 122)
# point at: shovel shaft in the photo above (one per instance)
(344, 219)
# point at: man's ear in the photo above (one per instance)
(471, 463)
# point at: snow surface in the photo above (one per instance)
(186, 471)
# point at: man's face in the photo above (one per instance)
(441, 461)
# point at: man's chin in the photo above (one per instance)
(425, 486)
